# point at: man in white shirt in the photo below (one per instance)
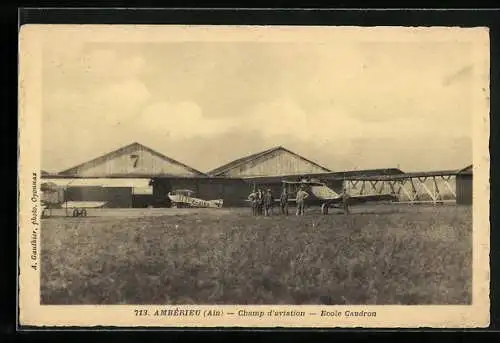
(253, 201)
(300, 198)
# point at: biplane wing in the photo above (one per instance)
(304, 182)
(361, 199)
(83, 204)
(79, 208)
(324, 196)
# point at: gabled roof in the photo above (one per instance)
(244, 160)
(46, 173)
(467, 170)
(122, 149)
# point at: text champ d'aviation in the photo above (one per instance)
(335, 313)
(259, 314)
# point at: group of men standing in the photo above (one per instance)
(262, 203)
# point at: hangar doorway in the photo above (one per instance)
(161, 188)
(142, 200)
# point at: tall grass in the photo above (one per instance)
(414, 255)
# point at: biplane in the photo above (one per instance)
(53, 198)
(322, 195)
(183, 198)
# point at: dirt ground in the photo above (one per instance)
(385, 254)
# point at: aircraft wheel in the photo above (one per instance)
(324, 209)
(75, 213)
(84, 212)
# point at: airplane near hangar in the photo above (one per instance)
(52, 199)
(181, 198)
(321, 194)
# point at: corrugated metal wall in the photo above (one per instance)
(275, 164)
(134, 160)
(464, 189)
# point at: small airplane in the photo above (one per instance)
(52, 198)
(321, 194)
(182, 198)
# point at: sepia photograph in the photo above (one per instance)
(273, 176)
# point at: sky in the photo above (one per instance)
(345, 105)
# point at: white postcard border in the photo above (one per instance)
(32, 313)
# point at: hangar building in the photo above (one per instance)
(268, 168)
(464, 186)
(234, 180)
(121, 177)
(277, 161)
(138, 176)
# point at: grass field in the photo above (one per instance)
(388, 254)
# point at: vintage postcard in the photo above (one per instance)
(241, 176)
